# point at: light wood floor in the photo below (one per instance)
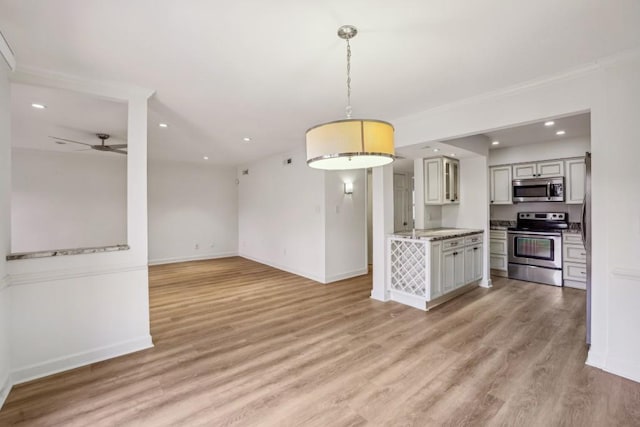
(239, 343)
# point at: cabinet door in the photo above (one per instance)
(500, 177)
(469, 260)
(459, 268)
(576, 171)
(447, 181)
(436, 277)
(448, 271)
(525, 170)
(548, 169)
(478, 257)
(433, 182)
(455, 181)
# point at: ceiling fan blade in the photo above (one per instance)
(82, 149)
(116, 145)
(69, 140)
(119, 152)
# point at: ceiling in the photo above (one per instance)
(578, 126)
(67, 115)
(223, 71)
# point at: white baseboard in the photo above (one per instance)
(411, 300)
(486, 283)
(173, 260)
(5, 388)
(595, 359)
(76, 360)
(283, 268)
(380, 296)
(347, 275)
(623, 367)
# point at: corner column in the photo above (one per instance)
(382, 212)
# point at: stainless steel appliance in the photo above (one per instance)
(585, 227)
(538, 190)
(535, 247)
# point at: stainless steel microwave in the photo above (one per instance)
(538, 190)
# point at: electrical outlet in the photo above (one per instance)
(197, 245)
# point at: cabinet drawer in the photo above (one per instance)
(452, 243)
(498, 234)
(498, 262)
(574, 271)
(574, 253)
(474, 238)
(498, 247)
(572, 238)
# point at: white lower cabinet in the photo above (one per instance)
(498, 252)
(473, 263)
(574, 261)
(452, 270)
(424, 273)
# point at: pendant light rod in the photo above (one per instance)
(347, 32)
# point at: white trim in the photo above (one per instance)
(283, 268)
(76, 360)
(623, 367)
(109, 90)
(407, 299)
(626, 273)
(53, 275)
(532, 84)
(5, 388)
(486, 283)
(4, 283)
(347, 275)
(173, 260)
(382, 298)
(7, 52)
(595, 359)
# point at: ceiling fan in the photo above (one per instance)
(113, 148)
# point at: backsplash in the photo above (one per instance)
(510, 212)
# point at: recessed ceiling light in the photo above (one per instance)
(453, 154)
(495, 143)
(163, 125)
(560, 132)
(246, 139)
(549, 123)
(206, 158)
(435, 150)
(39, 106)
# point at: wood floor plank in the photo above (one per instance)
(238, 343)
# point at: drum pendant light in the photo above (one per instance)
(350, 143)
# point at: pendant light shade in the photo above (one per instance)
(350, 144)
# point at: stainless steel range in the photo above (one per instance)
(535, 247)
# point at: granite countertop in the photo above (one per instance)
(63, 252)
(437, 233)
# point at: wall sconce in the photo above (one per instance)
(348, 187)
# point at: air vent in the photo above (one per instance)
(245, 172)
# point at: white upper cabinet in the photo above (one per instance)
(441, 181)
(500, 178)
(538, 169)
(575, 180)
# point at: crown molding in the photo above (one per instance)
(105, 89)
(7, 52)
(529, 84)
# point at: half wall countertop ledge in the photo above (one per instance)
(64, 252)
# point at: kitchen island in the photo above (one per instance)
(429, 267)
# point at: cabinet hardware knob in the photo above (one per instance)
(583, 254)
(475, 249)
(582, 272)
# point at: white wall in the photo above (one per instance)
(5, 221)
(473, 209)
(67, 200)
(610, 89)
(192, 204)
(281, 215)
(574, 147)
(345, 225)
(69, 311)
